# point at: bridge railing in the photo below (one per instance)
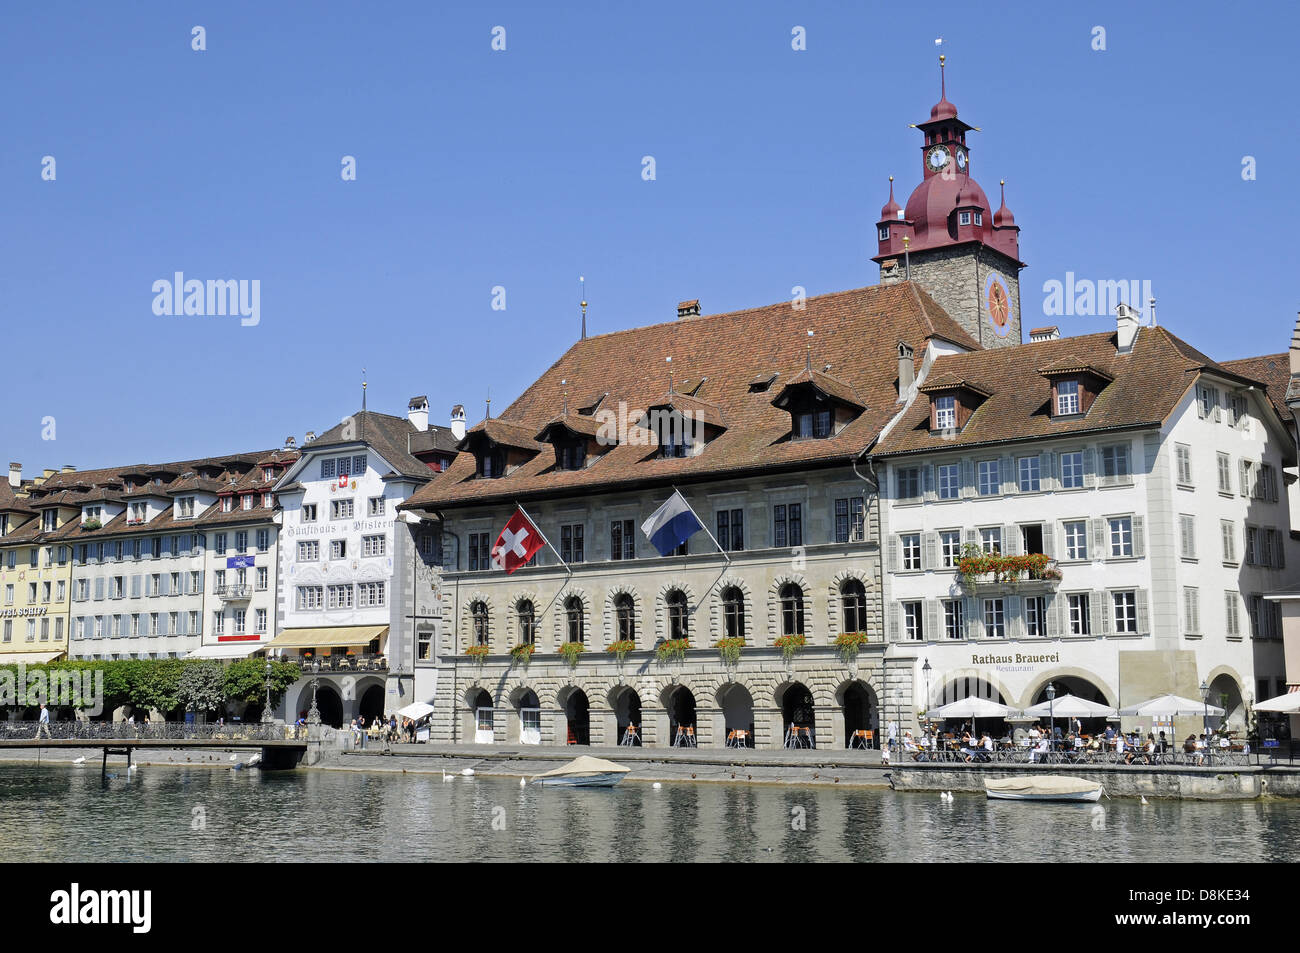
(147, 731)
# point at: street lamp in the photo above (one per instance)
(1051, 715)
(313, 716)
(1205, 720)
(925, 668)
(266, 712)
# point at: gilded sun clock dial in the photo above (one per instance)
(937, 158)
(997, 300)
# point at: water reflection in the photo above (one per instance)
(61, 813)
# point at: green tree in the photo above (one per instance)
(246, 680)
(202, 686)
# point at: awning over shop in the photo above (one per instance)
(226, 651)
(328, 637)
(31, 658)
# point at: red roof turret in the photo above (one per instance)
(891, 208)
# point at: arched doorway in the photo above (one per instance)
(798, 716)
(737, 715)
(627, 715)
(1226, 694)
(1080, 688)
(330, 705)
(577, 711)
(372, 704)
(681, 717)
(971, 686)
(484, 714)
(861, 714)
(530, 718)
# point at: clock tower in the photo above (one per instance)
(948, 238)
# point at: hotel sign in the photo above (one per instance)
(334, 527)
(29, 610)
(1016, 659)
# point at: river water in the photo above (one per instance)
(62, 813)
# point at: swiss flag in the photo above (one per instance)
(516, 544)
(343, 480)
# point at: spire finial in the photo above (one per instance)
(669, 362)
(943, 86)
(891, 188)
(583, 282)
(565, 382)
(363, 388)
(488, 413)
(808, 359)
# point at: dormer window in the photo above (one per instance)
(185, 507)
(227, 504)
(884, 233)
(979, 218)
(492, 464)
(1067, 398)
(50, 520)
(248, 501)
(92, 513)
(571, 455)
(945, 413)
(138, 512)
(965, 218)
(819, 405)
(814, 424)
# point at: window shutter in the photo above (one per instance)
(1279, 551)
(893, 620)
(1008, 474)
(893, 554)
(200, 589)
(970, 608)
(1098, 527)
(162, 623)
(182, 624)
(967, 478)
(1143, 614)
(1046, 471)
(933, 620)
(166, 545)
(1139, 536)
(164, 585)
(1053, 620)
(99, 588)
(1245, 484)
(930, 552)
(1200, 405)
(1089, 468)
(1012, 617)
(135, 586)
(1049, 540)
(1101, 612)
(1010, 541)
(927, 481)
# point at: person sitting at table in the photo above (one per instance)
(1040, 751)
(1162, 743)
(987, 744)
(1189, 745)
(1119, 744)
(1110, 732)
(1033, 735)
(1198, 749)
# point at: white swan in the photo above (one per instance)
(448, 777)
(81, 760)
(467, 772)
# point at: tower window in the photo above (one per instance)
(979, 218)
(884, 233)
(965, 218)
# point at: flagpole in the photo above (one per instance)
(567, 569)
(703, 525)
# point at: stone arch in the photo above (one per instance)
(1235, 712)
(611, 620)
(858, 703)
(515, 690)
(467, 620)
(774, 606)
(559, 621)
(511, 627)
(834, 617)
(1040, 683)
(985, 675)
(694, 616)
(717, 627)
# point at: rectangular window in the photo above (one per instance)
(1072, 470)
(1183, 460)
(950, 547)
(370, 595)
(954, 623)
(375, 506)
(945, 413)
(261, 621)
(373, 545)
(1187, 536)
(995, 622)
(1121, 536)
(1036, 616)
(991, 540)
(949, 481)
(913, 629)
(262, 575)
(218, 623)
(1225, 473)
(1232, 623)
(310, 597)
(787, 524)
(263, 540)
(195, 627)
(1115, 463)
(1252, 546)
(1080, 614)
(910, 544)
(340, 597)
(990, 479)
(1229, 534)
(1067, 398)
(1030, 478)
(309, 512)
(571, 543)
(622, 539)
(849, 523)
(1192, 609)
(479, 548)
(241, 541)
(909, 483)
(1076, 539)
(327, 469)
(1125, 611)
(338, 549)
(341, 509)
(308, 550)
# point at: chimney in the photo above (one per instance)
(1295, 356)
(890, 273)
(15, 475)
(289, 442)
(688, 309)
(1127, 321)
(69, 468)
(417, 412)
(1044, 334)
(308, 437)
(905, 370)
(49, 473)
(458, 422)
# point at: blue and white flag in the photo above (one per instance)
(671, 525)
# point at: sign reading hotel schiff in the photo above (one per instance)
(29, 610)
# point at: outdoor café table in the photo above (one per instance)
(798, 736)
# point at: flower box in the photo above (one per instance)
(848, 643)
(621, 648)
(791, 645)
(571, 651)
(1031, 571)
(672, 650)
(523, 653)
(729, 649)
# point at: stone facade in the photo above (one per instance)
(955, 276)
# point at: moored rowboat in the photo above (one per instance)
(584, 772)
(1047, 787)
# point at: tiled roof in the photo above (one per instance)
(1144, 388)
(385, 433)
(508, 433)
(856, 332)
(439, 439)
(834, 387)
(1272, 370)
(1071, 364)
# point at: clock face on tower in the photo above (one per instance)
(937, 158)
(961, 160)
(997, 304)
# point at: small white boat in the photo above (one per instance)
(584, 772)
(1047, 787)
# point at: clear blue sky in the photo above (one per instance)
(523, 169)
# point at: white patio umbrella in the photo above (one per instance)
(1170, 706)
(1070, 706)
(1286, 703)
(970, 707)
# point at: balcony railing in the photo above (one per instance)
(1031, 573)
(342, 663)
(235, 593)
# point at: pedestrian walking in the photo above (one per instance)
(43, 723)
